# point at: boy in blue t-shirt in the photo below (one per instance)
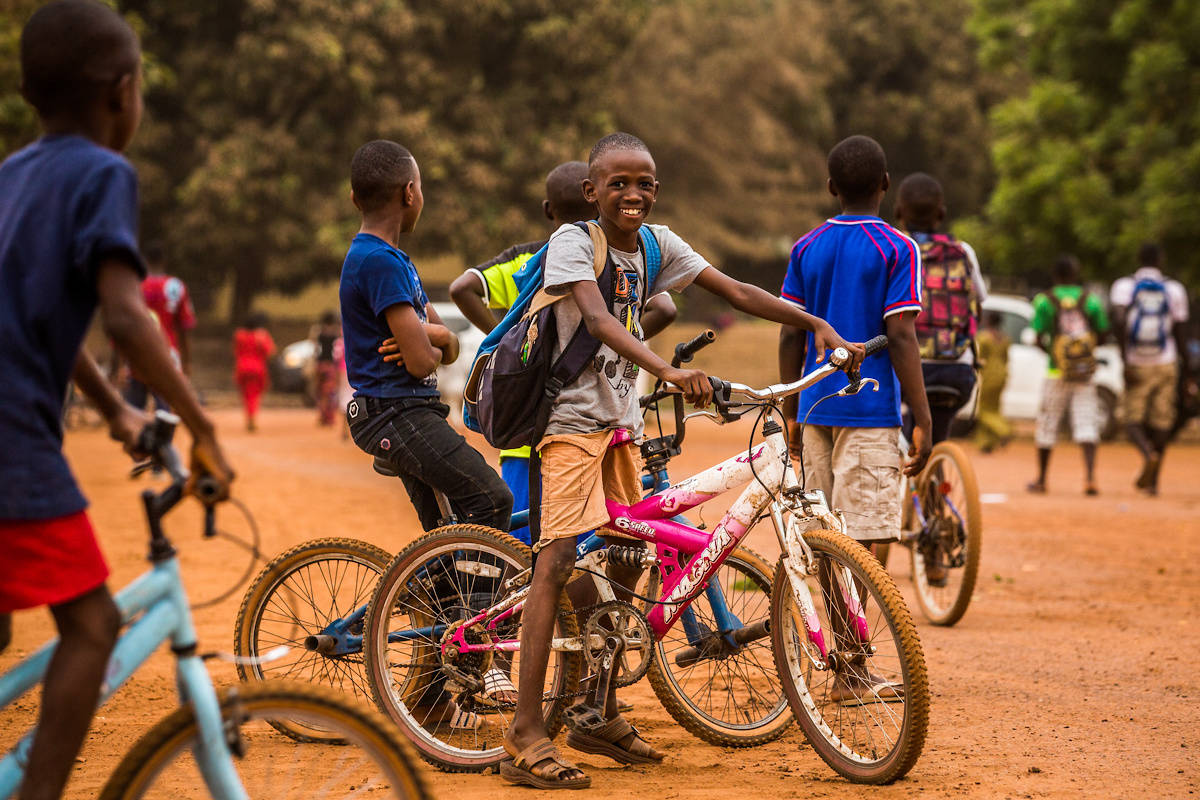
(864, 277)
(397, 414)
(68, 243)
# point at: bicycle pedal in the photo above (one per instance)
(585, 719)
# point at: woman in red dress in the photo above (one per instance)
(252, 346)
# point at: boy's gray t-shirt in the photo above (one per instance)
(605, 396)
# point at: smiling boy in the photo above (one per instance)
(579, 468)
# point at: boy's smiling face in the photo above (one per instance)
(623, 185)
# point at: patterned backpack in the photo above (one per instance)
(1073, 345)
(949, 312)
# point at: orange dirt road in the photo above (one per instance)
(1073, 674)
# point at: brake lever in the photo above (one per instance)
(857, 386)
(717, 418)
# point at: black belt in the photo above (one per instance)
(361, 409)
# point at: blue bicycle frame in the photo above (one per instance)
(159, 604)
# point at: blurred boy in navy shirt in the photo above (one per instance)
(68, 243)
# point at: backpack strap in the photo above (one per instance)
(600, 246)
(653, 256)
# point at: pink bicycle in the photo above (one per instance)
(441, 635)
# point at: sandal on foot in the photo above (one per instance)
(497, 688)
(603, 742)
(549, 775)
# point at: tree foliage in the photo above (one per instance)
(1102, 151)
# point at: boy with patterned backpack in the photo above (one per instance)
(1070, 322)
(952, 294)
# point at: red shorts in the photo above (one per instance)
(47, 562)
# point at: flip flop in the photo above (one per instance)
(520, 769)
(603, 742)
(497, 687)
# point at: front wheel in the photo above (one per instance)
(945, 556)
(374, 762)
(857, 683)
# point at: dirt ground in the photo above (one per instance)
(1073, 673)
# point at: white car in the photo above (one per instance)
(452, 378)
(1027, 367)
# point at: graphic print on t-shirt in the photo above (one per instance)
(625, 300)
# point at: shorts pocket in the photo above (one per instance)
(878, 485)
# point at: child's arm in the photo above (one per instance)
(753, 300)
(606, 328)
(137, 335)
(412, 342)
(906, 360)
(440, 336)
(124, 421)
(660, 312)
(467, 293)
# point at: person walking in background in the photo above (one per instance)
(252, 347)
(1149, 316)
(1070, 322)
(951, 295)
(170, 304)
(325, 377)
(991, 428)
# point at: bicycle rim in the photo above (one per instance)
(949, 494)
(725, 696)
(437, 582)
(847, 710)
(374, 762)
(299, 595)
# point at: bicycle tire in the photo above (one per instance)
(827, 721)
(753, 692)
(946, 605)
(408, 589)
(298, 594)
(153, 768)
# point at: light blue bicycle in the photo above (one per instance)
(220, 745)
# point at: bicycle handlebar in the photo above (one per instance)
(155, 439)
(684, 352)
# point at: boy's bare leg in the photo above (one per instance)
(555, 562)
(5, 631)
(88, 628)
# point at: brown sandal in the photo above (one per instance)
(520, 770)
(603, 742)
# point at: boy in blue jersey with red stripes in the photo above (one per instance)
(864, 277)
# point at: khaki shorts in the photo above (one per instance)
(578, 473)
(859, 471)
(1150, 395)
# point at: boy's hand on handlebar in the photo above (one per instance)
(207, 459)
(918, 452)
(694, 383)
(391, 351)
(126, 427)
(826, 338)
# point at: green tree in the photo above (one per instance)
(1102, 151)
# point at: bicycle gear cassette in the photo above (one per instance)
(621, 621)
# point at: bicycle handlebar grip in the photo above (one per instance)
(208, 490)
(721, 391)
(684, 352)
(875, 345)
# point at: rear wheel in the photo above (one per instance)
(864, 702)
(945, 556)
(456, 707)
(726, 695)
(374, 763)
(307, 591)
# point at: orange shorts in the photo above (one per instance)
(579, 472)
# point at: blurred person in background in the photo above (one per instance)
(991, 428)
(325, 368)
(171, 306)
(252, 347)
(1150, 312)
(1070, 323)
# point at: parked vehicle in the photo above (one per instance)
(1027, 365)
(292, 372)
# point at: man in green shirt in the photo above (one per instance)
(1070, 322)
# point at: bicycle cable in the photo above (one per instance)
(252, 547)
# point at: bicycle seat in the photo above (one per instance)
(944, 396)
(383, 467)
